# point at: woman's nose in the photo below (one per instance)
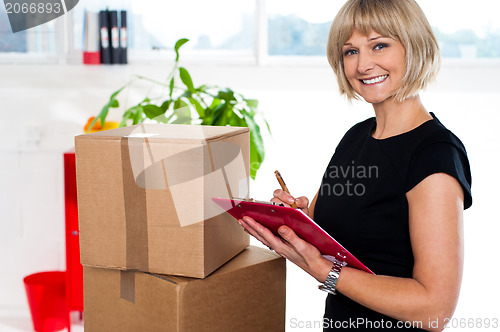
(365, 63)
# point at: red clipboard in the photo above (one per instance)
(273, 216)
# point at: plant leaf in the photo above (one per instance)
(112, 103)
(225, 116)
(186, 79)
(215, 102)
(165, 105)
(152, 111)
(252, 103)
(209, 111)
(257, 152)
(125, 118)
(138, 115)
(199, 109)
(235, 120)
(182, 112)
(163, 118)
(114, 94)
(171, 87)
(268, 128)
(226, 94)
(218, 113)
(178, 45)
(202, 88)
(255, 158)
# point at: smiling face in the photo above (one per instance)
(374, 65)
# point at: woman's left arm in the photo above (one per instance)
(436, 231)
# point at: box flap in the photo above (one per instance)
(108, 134)
(248, 257)
(251, 256)
(176, 132)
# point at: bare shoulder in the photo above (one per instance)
(436, 189)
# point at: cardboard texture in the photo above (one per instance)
(144, 197)
(245, 294)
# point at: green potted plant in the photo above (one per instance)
(187, 104)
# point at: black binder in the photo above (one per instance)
(123, 37)
(104, 37)
(115, 36)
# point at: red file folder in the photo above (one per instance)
(273, 216)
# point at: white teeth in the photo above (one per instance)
(375, 80)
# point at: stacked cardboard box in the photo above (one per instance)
(144, 204)
(247, 294)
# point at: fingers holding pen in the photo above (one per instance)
(282, 197)
(285, 189)
(302, 202)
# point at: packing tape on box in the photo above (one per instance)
(127, 285)
(134, 197)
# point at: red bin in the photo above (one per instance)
(46, 292)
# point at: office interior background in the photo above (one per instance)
(269, 50)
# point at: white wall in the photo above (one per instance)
(43, 107)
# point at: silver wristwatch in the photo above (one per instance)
(333, 275)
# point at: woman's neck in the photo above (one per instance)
(394, 118)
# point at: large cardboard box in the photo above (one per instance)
(245, 294)
(144, 197)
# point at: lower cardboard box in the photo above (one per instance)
(245, 294)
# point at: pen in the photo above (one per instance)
(283, 186)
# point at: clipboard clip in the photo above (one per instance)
(251, 200)
(339, 258)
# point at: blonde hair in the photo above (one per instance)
(401, 20)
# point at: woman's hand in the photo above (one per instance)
(282, 197)
(290, 246)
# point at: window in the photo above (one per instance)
(37, 41)
(465, 31)
(242, 30)
(300, 27)
(218, 27)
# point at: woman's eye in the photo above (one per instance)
(380, 46)
(350, 52)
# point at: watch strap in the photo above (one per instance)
(331, 280)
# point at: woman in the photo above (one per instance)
(396, 187)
